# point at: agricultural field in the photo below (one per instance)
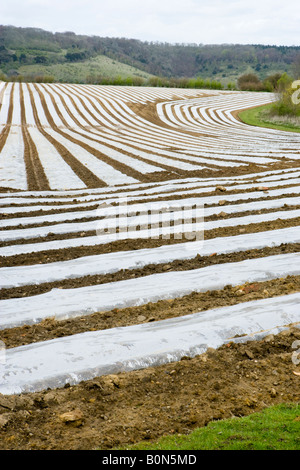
(149, 262)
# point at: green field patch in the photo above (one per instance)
(275, 428)
(261, 116)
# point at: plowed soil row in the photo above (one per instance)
(176, 265)
(130, 244)
(118, 410)
(36, 176)
(219, 215)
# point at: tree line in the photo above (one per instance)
(25, 46)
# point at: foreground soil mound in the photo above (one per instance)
(122, 409)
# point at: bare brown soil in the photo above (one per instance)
(176, 265)
(119, 410)
(153, 311)
(130, 244)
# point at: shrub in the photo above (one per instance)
(284, 82)
(249, 82)
(271, 82)
(231, 86)
(285, 105)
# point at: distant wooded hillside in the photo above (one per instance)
(22, 48)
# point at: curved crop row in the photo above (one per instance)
(121, 197)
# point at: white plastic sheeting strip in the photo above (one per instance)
(52, 364)
(59, 174)
(162, 186)
(165, 190)
(112, 262)
(101, 169)
(12, 164)
(190, 231)
(143, 151)
(129, 224)
(68, 303)
(5, 95)
(133, 209)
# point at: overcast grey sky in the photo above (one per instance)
(188, 21)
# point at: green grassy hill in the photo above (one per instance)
(84, 71)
